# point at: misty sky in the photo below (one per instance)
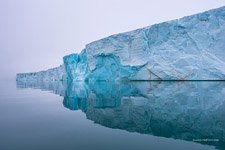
(36, 34)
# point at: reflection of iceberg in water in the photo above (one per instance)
(181, 110)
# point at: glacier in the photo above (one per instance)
(190, 48)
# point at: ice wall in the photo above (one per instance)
(54, 74)
(190, 48)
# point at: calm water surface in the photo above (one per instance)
(112, 116)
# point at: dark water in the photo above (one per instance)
(105, 116)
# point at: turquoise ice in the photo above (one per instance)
(190, 48)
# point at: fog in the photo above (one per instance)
(35, 35)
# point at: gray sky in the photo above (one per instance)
(36, 34)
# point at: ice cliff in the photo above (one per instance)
(54, 74)
(190, 48)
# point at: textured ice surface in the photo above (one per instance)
(54, 74)
(191, 48)
(76, 66)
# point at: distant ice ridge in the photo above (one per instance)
(54, 74)
(191, 48)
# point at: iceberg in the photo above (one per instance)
(190, 48)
